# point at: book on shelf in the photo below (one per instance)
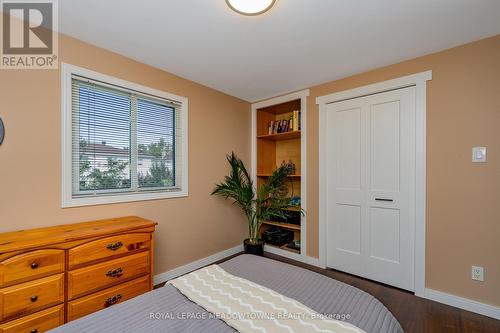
(291, 124)
(296, 120)
(284, 126)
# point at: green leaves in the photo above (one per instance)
(158, 175)
(238, 185)
(270, 200)
(110, 178)
(272, 196)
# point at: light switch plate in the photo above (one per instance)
(479, 154)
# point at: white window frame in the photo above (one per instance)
(67, 71)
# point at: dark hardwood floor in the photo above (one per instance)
(415, 314)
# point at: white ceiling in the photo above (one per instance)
(299, 43)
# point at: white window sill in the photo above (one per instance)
(120, 198)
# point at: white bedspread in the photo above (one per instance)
(249, 307)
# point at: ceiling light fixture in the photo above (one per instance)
(250, 7)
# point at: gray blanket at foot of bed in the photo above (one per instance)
(167, 310)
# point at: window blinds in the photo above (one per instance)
(123, 141)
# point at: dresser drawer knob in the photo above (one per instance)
(34, 298)
(35, 330)
(115, 272)
(34, 265)
(114, 246)
(113, 300)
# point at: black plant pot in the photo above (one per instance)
(255, 249)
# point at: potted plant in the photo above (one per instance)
(260, 204)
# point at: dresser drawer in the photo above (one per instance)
(37, 323)
(107, 248)
(88, 279)
(31, 296)
(31, 265)
(108, 297)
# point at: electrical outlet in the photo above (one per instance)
(477, 273)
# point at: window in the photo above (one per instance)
(121, 141)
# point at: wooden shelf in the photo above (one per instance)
(280, 136)
(265, 175)
(282, 108)
(283, 247)
(272, 150)
(283, 225)
(294, 209)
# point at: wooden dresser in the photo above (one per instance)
(53, 275)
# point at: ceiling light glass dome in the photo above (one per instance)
(250, 7)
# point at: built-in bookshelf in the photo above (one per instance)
(278, 140)
(281, 136)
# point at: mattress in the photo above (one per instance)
(167, 310)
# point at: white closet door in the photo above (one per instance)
(346, 123)
(370, 187)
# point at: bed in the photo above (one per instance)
(168, 310)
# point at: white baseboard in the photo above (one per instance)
(294, 256)
(192, 266)
(463, 303)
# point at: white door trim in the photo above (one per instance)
(419, 81)
(302, 95)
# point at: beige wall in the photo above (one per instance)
(463, 199)
(463, 110)
(30, 157)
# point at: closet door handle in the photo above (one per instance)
(386, 200)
